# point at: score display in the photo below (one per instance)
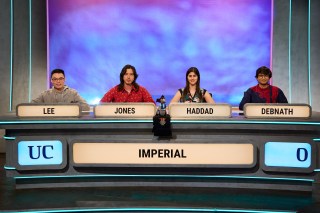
(288, 157)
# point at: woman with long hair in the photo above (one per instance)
(192, 93)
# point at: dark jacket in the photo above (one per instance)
(252, 95)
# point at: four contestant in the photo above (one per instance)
(192, 93)
(263, 92)
(128, 90)
(61, 93)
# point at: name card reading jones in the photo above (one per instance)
(265, 110)
(198, 111)
(48, 110)
(183, 154)
(125, 110)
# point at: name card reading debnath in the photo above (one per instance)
(182, 154)
(265, 110)
(48, 110)
(199, 111)
(125, 110)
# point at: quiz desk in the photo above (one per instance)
(283, 154)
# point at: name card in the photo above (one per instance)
(265, 110)
(199, 111)
(125, 110)
(235, 155)
(48, 110)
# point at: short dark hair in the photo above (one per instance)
(263, 70)
(57, 71)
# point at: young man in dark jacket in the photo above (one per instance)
(263, 92)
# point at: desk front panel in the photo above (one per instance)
(222, 153)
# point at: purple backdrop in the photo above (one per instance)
(226, 39)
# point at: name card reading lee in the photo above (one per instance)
(125, 110)
(199, 111)
(48, 110)
(183, 154)
(264, 110)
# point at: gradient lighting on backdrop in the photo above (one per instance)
(227, 40)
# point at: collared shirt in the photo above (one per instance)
(135, 95)
(67, 95)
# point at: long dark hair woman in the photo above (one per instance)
(192, 92)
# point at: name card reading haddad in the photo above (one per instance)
(264, 110)
(199, 111)
(125, 110)
(182, 154)
(48, 110)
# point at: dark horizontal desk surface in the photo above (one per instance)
(11, 121)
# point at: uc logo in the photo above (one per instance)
(40, 153)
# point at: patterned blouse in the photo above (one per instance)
(188, 98)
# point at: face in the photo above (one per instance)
(263, 79)
(192, 78)
(58, 80)
(128, 78)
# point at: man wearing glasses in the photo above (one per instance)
(263, 92)
(61, 93)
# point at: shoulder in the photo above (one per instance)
(142, 88)
(115, 88)
(71, 90)
(250, 90)
(253, 87)
(275, 88)
(47, 92)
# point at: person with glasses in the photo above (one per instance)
(60, 93)
(263, 92)
(128, 90)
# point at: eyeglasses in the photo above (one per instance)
(57, 79)
(263, 76)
